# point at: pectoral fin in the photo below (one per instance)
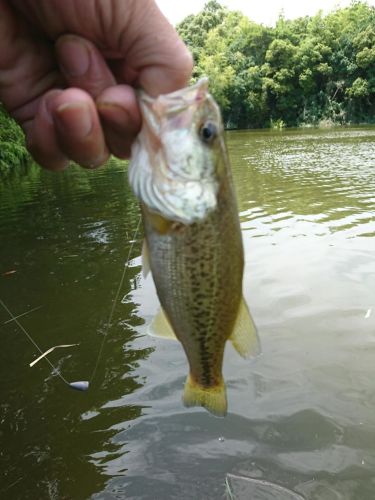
(161, 327)
(159, 224)
(244, 337)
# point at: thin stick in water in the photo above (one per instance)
(48, 351)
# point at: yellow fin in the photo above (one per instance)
(244, 337)
(161, 225)
(145, 259)
(214, 399)
(161, 327)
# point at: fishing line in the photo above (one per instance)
(81, 385)
(14, 318)
(126, 266)
(23, 314)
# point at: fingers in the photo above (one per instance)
(120, 117)
(78, 129)
(82, 65)
(41, 136)
(156, 57)
(96, 116)
(67, 126)
(27, 65)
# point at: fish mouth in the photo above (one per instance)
(175, 102)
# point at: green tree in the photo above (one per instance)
(195, 28)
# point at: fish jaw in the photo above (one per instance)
(173, 171)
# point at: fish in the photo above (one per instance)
(180, 172)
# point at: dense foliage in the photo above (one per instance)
(12, 143)
(312, 70)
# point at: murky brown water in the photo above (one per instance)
(301, 416)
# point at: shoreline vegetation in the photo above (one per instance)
(314, 71)
(13, 150)
(311, 71)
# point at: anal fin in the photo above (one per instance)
(244, 337)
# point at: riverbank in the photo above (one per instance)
(321, 124)
(13, 152)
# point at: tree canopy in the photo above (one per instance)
(300, 72)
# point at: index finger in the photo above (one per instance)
(156, 58)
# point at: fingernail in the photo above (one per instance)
(98, 162)
(74, 119)
(74, 57)
(116, 116)
(47, 107)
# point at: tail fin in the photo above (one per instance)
(214, 398)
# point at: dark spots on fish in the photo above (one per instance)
(178, 228)
(200, 296)
(199, 315)
(205, 362)
(199, 323)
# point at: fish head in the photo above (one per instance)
(178, 158)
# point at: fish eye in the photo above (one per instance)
(208, 132)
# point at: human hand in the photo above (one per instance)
(69, 69)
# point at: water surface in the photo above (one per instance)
(301, 415)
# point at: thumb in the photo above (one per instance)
(155, 56)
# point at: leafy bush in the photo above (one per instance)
(12, 143)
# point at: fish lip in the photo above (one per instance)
(181, 97)
(157, 110)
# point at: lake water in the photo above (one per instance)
(301, 415)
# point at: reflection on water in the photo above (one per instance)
(301, 416)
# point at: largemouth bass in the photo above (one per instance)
(181, 174)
